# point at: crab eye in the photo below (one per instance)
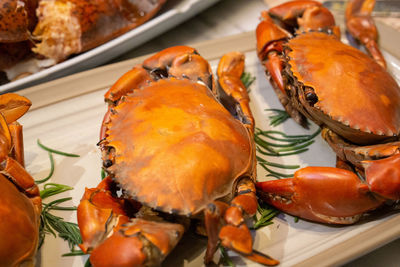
(159, 73)
(310, 95)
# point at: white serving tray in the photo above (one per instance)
(67, 114)
(173, 13)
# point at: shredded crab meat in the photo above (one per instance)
(58, 30)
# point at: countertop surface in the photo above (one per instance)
(229, 17)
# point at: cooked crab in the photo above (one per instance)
(347, 93)
(177, 154)
(20, 202)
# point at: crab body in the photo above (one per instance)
(177, 154)
(349, 94)
(184, 123)
(341, 87)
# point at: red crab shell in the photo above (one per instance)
(176, 148)
(357, 98)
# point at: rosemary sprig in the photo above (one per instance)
(266, 214)
(56, 151)
(74, 253)
(283, 145)
(87, 263)
(52, 223)
(51, 170)
(277, 144)
(278, 165)
(278, 118)
(225, 260)
(247, 79)
(51, 189)
(275, 173)
(103, 174)
(280, 154)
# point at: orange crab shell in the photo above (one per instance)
(359, 97)
(176, 148)
(19, 232)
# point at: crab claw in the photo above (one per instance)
(113, 238)
(138, 243)
(383, 176)
(13, 106)
(321, 194)
(99, 212)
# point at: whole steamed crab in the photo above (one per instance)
(349, 94)
(174, 156)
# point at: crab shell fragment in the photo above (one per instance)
(176, 148)
(357, 98)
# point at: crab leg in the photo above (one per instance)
(127, 83)
(322, 194)
(362, 27)
(18, 142)
(230, 70)
(270, 40)
(12, 107)
(17, 173)
(113, 239)
(234, 234)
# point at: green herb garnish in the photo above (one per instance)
(52, 224)
(225, 260)
(87, 263)
(103, 174)
(266, 214)
(278, 118)
(247, 79)
(51, 189)
(51, 170)
(56, 151)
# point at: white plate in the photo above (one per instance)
(73, 125)
(173, 13)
